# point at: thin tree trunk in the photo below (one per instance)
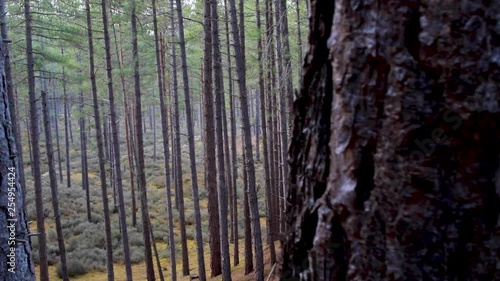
(112, 169)
(166, 154)
(211, 170)
(28, 131)
(154, 129)
(53, 187)
(70, 108)
(174, 149)
(37, 177)
(179, 184)
(100, 149)
(128, 126)
(66, 125)
(254, 207)
(234, 162)
(106, 133)
(257, 129)
(227, 155)
(299, 47)
(246, 219)
(192, 156)
(221, 181)
(116, 144)
(83, 145)
(155, 250)
(281, 135)
(269, 204)
(285, 102)
(56, 122)
(273, 137)
(140, 149)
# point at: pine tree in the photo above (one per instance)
(210, 154)
(100, 149)
(391, 139)
(35, 147)
(192, 156)
(254, 208)
(53, 187)
(140, 149)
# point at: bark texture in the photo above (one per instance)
(210, 154)
(9, 158)
(394, 155)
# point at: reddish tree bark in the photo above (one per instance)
(394, 155)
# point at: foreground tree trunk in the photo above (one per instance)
(14, 111)
(10, 187)
(394, 154)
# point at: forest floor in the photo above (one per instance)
(85, 240)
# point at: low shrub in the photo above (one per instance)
(74, 267)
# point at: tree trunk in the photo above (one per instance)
(56, 123)
(179, 184)
(70, 108)
(34, 128)
(14, 112)
(234, 162)
(395, 144)
(192, 156)
(254, 207)
(83, 145)
(53, 187)
(211, 170)
(28, 133)
(116, 143)
(299, 47)
(17, 264)
(246, 220)
(219, 137)
(66, 126)
(100, 149)
(269, 204)
(154, 129)
(155, 251)
(285, 97)
(140, 150)
(165, 137)
(128, 133)
(271, 122)
(106, 133)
